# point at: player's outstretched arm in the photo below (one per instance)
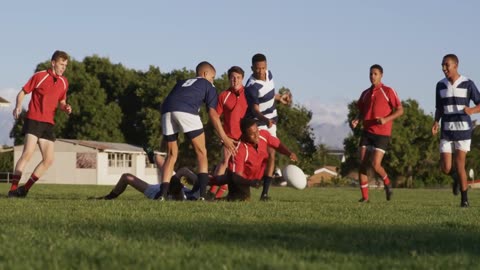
(282, 149)
(215, 118)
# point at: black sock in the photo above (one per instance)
(112, 195)
(267, 180)
(202, 179)
(464, 196)
(164, 189)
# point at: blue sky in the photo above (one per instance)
(321, 50)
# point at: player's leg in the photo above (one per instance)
(125, 180)
(47, 151)
(198, 143)
(377, 158)
(218, 191)
(363, 172)
(28, 149)
(172, 155)
(461, 150)
(446, 156)
(268, 174)
(381, 144)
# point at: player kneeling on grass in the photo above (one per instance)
(247, 166)
(176, 190)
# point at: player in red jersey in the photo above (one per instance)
(232, 105)
(49, 91)
(247, 167)
(378, 106)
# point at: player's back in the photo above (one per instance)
(188, 96)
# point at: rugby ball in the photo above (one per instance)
(294, 176)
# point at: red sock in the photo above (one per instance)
(15, 179)
(31, 181)
(364, 189)
(221, 190)
(213, 189)
(386, 180)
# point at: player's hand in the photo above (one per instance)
(270, 123)
(286, 99)
(230, 145)
(354, 123)
(469, 110)
(293, 157)
(67, 108)
(435, 128)
(381, 120)
(17, 112)
(255, 183)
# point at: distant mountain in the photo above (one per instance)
(331, 135)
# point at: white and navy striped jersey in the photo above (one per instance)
(450, 100)
(261, 93)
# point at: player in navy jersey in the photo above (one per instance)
(180, 113)
(261, 98)
(452, 101)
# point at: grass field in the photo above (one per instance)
(57, 228)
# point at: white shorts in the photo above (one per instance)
(174, 122)
(151, 191)
(272, 130)
(450, 146)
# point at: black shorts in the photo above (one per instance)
(380, 142)
(41, 130)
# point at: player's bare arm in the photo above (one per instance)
(260, 116)
(282, 149)
(436, 125)
(18, 106)
(285, 98)
(65, 107)
(472, 110)
(215, 118)
(394, 115)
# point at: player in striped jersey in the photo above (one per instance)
(261, 98)
(452, 100)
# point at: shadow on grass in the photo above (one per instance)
(389, 241)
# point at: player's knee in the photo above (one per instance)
(47, 162)
(377, 166)
(128, 177)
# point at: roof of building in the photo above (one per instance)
(4, 102)
(106, 146)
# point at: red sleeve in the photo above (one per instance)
(237, 162)
(32, 83)
(394, 99)
(271, 140)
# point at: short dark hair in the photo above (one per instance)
(451, 56)
(236, 69)
(377, 66)
(258, 58)
(202, 65)
(59, 55)
(246, 123)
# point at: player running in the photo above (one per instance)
(452, 100)
(378, 106)
(49, 92)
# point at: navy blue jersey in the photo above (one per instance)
(261, 93)
(188, 95)
(450, 101)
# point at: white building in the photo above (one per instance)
(91, 163)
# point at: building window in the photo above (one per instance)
(119, 160)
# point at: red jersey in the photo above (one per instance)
(250, 160)
(47, 90)
(377, 102)
(233, 107)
